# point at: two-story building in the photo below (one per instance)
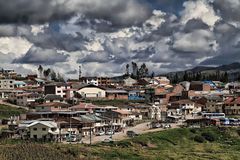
(57, 89)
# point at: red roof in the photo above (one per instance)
(84, 106)
(122, 112)
(232, 100)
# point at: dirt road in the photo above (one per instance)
(139, 129)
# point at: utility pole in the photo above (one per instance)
(70, 126)
(90, 135)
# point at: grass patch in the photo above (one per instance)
(8, 111)
(165, 145)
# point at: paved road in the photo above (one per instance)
(140, 129)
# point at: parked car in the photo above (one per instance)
(72, 138)
(158, 125)
(100, 133)
(110, 132)
(167, 126)
(131, 134)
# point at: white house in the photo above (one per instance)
(45, 130)
(92, 91)
(129, 81)
(7, 84)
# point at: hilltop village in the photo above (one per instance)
(94, 109)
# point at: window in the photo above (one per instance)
(58, 91)
(44, 129)
(35, 129)
(35, 136)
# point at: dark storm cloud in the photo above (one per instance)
(116, 32)
(123, 13)
(37, 55)
(229, 9)
(144, 54)
(100, 57)
(51, 38)
(194, 24)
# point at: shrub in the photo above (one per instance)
(193, 130)
(199, 139)
(238, 131)
(208, 136)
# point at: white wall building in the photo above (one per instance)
(92, 91)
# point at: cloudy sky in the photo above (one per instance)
(104, 35)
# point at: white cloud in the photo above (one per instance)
(17, 45)
(196, 41)
(199, 9)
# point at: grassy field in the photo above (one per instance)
(192, 144)
(8, 111)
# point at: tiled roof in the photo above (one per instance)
(53, 97)
(232, 100)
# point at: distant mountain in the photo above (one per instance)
(208, 73)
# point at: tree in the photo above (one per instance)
(40, 70)
(185, 76)
(60, 78)
(134, 70)
(225, 77)
(53, 75)
(127, 69)
(46, 73)
(143, 71)
(152, 75)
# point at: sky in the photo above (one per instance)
(104, 35)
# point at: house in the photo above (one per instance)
(92, 91)
(116, 94)
(39, 82)
(7, 84)
(83, 107)
(104, 81)
(52, 107)
(56, 115)
(136, 95)
(200, 86)
(120, 118)
(53, 98)
(184, 107)
(7, 73)
(89, 80)
(129, 81)
(19, 84)
(39, 130)
(23, 99)
(160, 81)
(213, 103)
(56, 88)
(232, 106)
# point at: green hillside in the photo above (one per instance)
(197, 144)
(8, 111)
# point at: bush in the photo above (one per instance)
(193, 130)
(238, 131)
(208, 136)
(199, 139)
